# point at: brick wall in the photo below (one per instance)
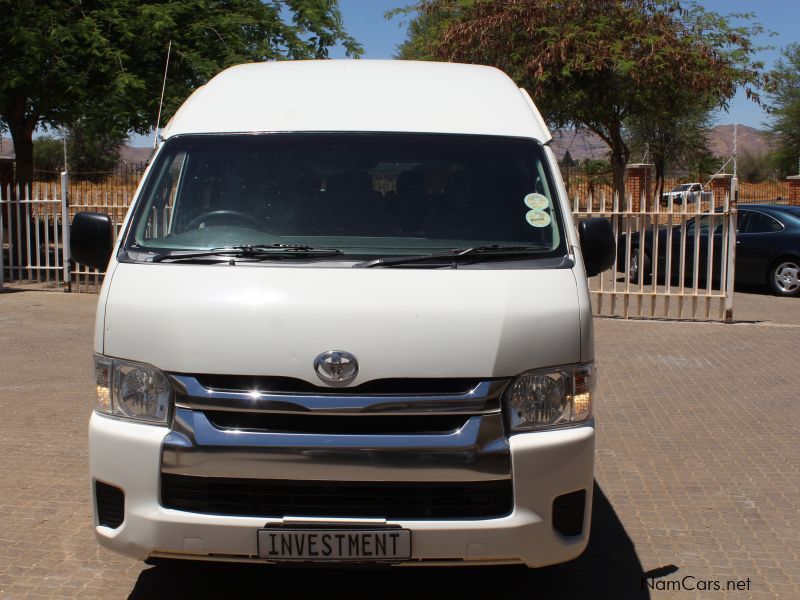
(794, 189)
(639, 184)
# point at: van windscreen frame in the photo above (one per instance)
(366, 194)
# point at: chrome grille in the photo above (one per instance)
(336, 424)
(455, 437)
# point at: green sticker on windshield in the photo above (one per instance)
(537, 218)
(536, 201)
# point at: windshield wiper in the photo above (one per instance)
(258, 251)
(456, 253)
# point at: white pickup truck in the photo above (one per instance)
(689, 192)
(347, 320)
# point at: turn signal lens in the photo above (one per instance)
(102, 378)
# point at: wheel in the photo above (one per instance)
(230, 215)
(633, 267)
(784, 277)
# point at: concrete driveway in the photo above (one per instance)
(697, 474)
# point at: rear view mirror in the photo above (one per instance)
(91, 239)
(598, 246)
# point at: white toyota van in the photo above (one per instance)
(346, 319)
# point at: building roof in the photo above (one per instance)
(360, 95)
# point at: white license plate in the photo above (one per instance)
(282, 543)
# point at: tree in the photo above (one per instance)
(703, 165)
(48, 157)
(671, 138)
(64, 61)
(92, 151)
(594, 173)
(785, 110)
(755, 168)
(596, 64)
(424, 29)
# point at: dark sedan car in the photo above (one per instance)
(767, 248)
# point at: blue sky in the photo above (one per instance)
(364, 20)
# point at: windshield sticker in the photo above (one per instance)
(536, 201)
(537, 218)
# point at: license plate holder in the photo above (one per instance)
(334, 544)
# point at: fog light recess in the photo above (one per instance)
(110, 504)
(568, 513)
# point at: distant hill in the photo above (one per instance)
(585, 144)
(581, 144)
(134, 154)
(748, 140)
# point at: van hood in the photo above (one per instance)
(274, 321)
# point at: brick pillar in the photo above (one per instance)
(721, 185)
(794, 189)
(638, 184)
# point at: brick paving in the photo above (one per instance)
(697, 474)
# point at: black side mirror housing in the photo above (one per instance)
(598, 247)
(91, 239)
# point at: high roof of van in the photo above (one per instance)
(360, 95)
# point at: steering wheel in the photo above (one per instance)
(223, 214)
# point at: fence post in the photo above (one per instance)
(65, 231)
(2, 241)
(731, 201)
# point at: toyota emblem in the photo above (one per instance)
(336, 366)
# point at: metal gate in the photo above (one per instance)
(34, 235)
(674, 261)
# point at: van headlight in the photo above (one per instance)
(551, 397)
(132, 390)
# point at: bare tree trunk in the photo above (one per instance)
(22, 135)
(23, 150)
(660, 163)
(619, 160)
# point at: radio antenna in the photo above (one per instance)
(161, 102)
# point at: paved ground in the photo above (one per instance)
(697, 471)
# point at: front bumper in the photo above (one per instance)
(545, 465)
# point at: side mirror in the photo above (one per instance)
(91, 239)
(598, 247)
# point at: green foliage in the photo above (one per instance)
(785, 108)
(48, 157)
(701, 166)
(755, 168)
(92, 150)
(66, 60)
(596, 173)
(567, 161)
(425, 28)
(673, 134)
(596, 64)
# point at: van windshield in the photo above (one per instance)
(362, 194)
